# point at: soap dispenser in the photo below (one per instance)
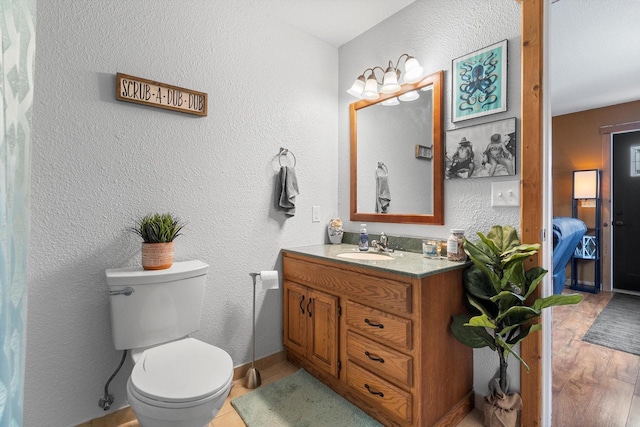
(363, 245)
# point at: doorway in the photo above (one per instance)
(625, 173)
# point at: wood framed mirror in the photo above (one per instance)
(397, 164)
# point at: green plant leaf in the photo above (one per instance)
(518, 313)
(524, 332)
(474, 337)
(158, 228)
(482, 321)
(490, 245)
(534, 277)
(479, 306)
(478, 283)
(504, 237)
(480, 253)
(555, 300)
(510, 297)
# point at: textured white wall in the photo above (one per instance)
(99, 163)
(435, 32)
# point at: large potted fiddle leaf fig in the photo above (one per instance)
(497, 289)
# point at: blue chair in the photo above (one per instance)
(567, 233)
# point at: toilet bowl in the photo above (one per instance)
(180, 384)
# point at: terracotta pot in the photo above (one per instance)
(157, 256)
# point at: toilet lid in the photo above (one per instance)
(181, 371)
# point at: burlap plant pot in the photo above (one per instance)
(500, 409)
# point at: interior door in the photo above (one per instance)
(626, 211)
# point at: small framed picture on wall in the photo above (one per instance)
(479, 83)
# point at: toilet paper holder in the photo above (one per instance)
(269, 281)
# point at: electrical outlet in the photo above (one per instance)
(505, 193)
(315, 214)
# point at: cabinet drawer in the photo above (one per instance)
(379, 392)
(380, 359)
(383, 293)
(383, 326)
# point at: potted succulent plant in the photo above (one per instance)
(497, 287)
(158, 232)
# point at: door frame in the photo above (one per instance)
(532, 192)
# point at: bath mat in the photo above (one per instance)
(618, 325)
(299, 400)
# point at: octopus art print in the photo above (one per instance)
(480, 83)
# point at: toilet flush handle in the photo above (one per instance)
(126, 291)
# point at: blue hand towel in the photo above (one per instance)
(288, 190)
(383, 195)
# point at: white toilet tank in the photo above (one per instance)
(165, 304)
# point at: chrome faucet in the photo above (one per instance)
(383, 244)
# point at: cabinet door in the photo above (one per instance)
(323, 331)
(295, 317)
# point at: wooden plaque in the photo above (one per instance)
(160, 95)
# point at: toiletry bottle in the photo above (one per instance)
(364, 238)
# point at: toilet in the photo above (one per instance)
(177, 381)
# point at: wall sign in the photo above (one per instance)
(160, 95)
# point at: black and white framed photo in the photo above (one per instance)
(483, 150)
(479, 83)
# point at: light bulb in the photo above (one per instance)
(357, 87)
(371, 89)
(413, 72)
(390, 81)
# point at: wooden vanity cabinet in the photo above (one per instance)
(380, 339)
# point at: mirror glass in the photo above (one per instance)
(396, 156)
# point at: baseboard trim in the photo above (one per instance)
(123, 417)
(264, 363)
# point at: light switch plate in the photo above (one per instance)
(505, 193)
(315, 214)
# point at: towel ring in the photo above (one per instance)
(383, 168)
(284, 152)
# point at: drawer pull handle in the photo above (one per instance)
(374, 358)
(377, 393)
(308, 304)
(301, 301)
(375, 325)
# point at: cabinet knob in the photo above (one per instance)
(618, 223)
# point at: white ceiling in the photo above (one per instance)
(336, 21)
(594, 48)
(594, 54)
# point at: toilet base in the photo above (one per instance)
(150, 415)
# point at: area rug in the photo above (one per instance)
(618, 325)
(299, 400)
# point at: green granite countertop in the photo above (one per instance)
(405, 263)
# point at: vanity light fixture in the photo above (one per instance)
(367, 86)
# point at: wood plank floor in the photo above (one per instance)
(592, 385)
(228, 417)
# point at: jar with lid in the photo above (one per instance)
(454, 245)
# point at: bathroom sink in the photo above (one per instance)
(368, 256)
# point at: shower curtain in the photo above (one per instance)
(16, 97)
